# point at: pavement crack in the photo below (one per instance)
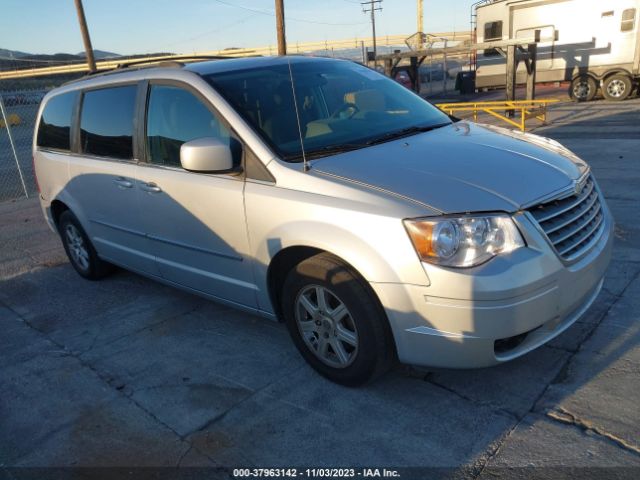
(222, 415)
(134, 332)
(563, 415)
(103, 377)
(184, 454)
(504, 411)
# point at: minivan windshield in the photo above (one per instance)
(338, 106)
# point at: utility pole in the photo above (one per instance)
(91, 62)
(373, 7)
(282, 41)
(420, 17)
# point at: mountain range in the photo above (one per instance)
(11, 54)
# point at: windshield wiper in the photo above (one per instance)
(333, 149)
(347, 147)
(405, 132)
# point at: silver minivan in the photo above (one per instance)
(325, 195)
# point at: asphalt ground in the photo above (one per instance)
(126, 372)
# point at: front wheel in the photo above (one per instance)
(336, 322)
(82, 255)
(616, 87)
(583, 88)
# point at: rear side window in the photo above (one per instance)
(628, 20)
(106, 122)
(54, 130)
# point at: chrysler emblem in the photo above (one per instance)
(578, 185)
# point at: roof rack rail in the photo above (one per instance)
(170, 60)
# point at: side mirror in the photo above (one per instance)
(206, 155)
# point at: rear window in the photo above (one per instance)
(106, 122)
(54, 130)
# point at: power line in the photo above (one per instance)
(273, 14)
(209, 32)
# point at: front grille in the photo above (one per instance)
(572, 224)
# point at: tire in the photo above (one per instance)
(82, 255)
(583, 88)
(350, 345)
(617, 87)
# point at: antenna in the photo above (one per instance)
(305, 165)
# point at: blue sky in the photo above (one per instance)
(182, 26)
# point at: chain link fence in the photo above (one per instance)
(17, 122)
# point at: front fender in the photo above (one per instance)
(387, 257)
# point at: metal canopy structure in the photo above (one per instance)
(515, 51)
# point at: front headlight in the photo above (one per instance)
(463, 241)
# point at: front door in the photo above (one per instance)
(195, 222)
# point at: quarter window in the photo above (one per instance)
(54, 130)
(628, 20)
(106, 124)
(176, 116)
(492, 32)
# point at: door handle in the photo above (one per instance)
(123, 182)
(150, 187)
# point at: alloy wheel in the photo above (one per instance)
(77, 248)
(326, 326)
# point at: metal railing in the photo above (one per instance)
(503, 110)
(18, 110)
(386, 44)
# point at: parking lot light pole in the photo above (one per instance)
(91, 62)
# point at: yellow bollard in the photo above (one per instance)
(13, 119)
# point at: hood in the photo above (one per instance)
(463, 167)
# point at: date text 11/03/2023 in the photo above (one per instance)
(315, 473)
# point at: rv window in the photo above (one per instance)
(628, 20)
(607, 14)
(492, 31)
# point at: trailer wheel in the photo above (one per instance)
(616, 87)
(583, 88)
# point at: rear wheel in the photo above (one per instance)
(82, 255)
(336, 322)
(583, 88)
(616, 87)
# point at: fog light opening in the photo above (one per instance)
(504, 345)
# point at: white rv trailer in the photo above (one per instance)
(592, 43)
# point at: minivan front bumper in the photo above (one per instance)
(468, 318)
